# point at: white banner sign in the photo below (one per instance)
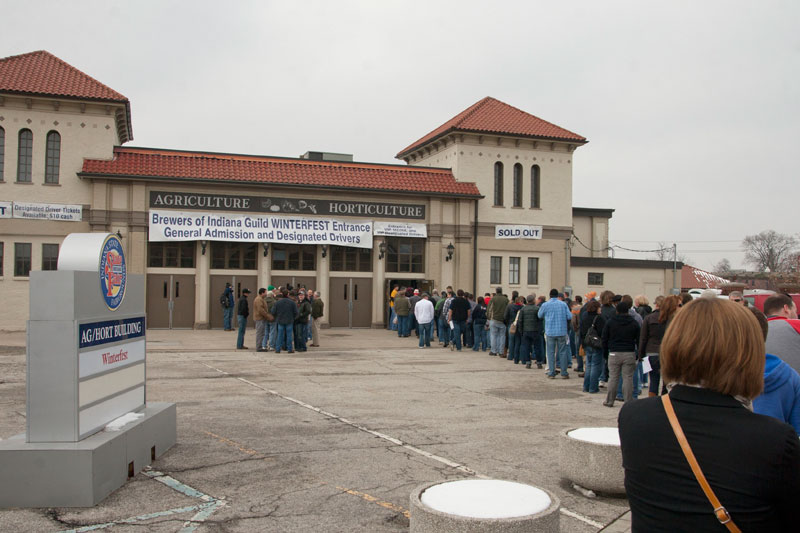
(61, 212)
(517, 232)
(106, 358)
(186, 226)
(400, 229)
(5, 209)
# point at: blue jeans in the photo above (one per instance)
(526, 349)
(300, 337)
(557, 347)
(538, 347)
(514, 342)
(242, 325)
(425, 334)
(392, 325)
(402, 325)
(480, 337)
(269, 335)
(227, 318)
(444, 331)
(285, 335)
(594, 366)
(459, 326)
(273, 334)
(497, 336)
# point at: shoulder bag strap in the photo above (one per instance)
(720, 511)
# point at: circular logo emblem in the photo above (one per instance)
(113, 273)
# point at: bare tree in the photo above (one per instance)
(723, 267)
(769, 250)
(664, 253)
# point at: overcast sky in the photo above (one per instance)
(692, 109)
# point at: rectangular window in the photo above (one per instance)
(513, 270)
(595, 278)
(22, 259)
(233, 255)
(347, 258)
(495, 269)
(405, 255)
(293, 257)
(535, 187)
(171, 254)
(49, 257)
(533, 271)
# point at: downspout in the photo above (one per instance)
(475, 253)
(566, 263)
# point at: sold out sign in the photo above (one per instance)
(517, 232)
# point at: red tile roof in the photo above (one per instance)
(43, 73)
(131, 162)
(495, 117)
(695, 278)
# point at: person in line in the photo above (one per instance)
(458, 314)
(444, 320)
(271, 330)
(480, 335)
(317, 311)
(608, 310)
(781, 395)
(530, 326)
(495, 314)
(514, 339)
(423, 313)
(737, 298)
(653, 328)
(575, 339)
(402, 309)
(303, 314)
(783, 339)
(556, 316)
(260, 315)
(226, 300)
(285, 312)
(413, 298)
(242, 312)
(469, 338)
(620, 335)
(712, 357)
(642, 305)
(594, 355)
(392, 324)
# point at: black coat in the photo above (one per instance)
(751, 461)
(242, 308)
(621, 334)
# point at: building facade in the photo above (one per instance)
(484, 200)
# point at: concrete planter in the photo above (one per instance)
(589, 459)
(476, 496)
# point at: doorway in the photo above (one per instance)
(170, 301)
(351, 303)
(238, 283)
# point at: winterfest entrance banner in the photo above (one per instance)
(186, 226)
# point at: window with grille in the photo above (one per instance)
(347, 258)
(293, 257)
(233, 255)
(495, 269)
(513, 270)
(405, 255)
(53, 157)
(22, 259)
(595, 278)
(25, 157)
(49, 257)
(171, 254)
(533, 271)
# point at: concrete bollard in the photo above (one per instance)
(591, 458)
(482, 505)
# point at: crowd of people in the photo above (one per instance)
(285, 318)
(714, 445)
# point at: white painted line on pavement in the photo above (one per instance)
(393, 440)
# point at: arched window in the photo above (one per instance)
(536, 196)
(25, 156)
(53, 157)
(498, 183)
(517, 185)
(2, 152)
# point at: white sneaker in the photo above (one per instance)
(602, 384)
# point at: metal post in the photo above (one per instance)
(675, 288)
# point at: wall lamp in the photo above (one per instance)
(324, 250)
(119, 234)
(203, 245)
(450, 250)
(265, 245)
(382, 249)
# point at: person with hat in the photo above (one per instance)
(270, 331)
(226, 301)
(242, 312)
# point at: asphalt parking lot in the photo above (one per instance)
(334, 439)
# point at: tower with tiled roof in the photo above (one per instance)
(522, 166)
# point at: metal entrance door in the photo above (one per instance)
(238, 283)
(170, 301)
(351, 303)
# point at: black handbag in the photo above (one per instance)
(592, 339)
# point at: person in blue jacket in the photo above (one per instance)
(781, 395)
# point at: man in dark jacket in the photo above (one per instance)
(242, 312)
(226, 300)
(620, 335)
(317, 310)
(303, 312)
(285, 312)
(531, 327)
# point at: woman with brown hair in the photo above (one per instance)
(653, 328)
(712, 357)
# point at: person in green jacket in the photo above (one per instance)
(317, 310)
(497, 327)
(402, 308)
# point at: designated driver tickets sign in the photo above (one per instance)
(186, 226)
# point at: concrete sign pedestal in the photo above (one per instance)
(86, 367)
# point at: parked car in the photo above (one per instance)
(757, 297)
